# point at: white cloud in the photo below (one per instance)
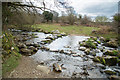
(89, 7)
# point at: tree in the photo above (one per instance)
(85, 20)
(47, 16)
(116, 22)
(101, 19)
(55, 16)
(71, 15)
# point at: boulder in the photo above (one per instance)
(109, 71)
(45, 48)
(119, 62)
(61, 51)
(21, 45)
(111, 52)
(102, 39)
(118, 55)
(46, 41)
(57, 67)
(87, 51)
(63, 34)
(46, 32)
(59, 35)
(93, 53)
(49, 37)
(110, 60)
(96, 59)
(112, 44)
(98, 42)
(94, 38)
(55, 32)
(82, 48)
(90, 44)
(44, 69)
(26, 51)
(33, 48)
(114, 77)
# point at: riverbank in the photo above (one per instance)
(68, 54)
(75, 30)
(27, 68)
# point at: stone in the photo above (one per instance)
(33, 48)
(102, 39)
(101, 65)
(45, 48)
(46, 41)
(21, 45)
(114, 77)
(44, 69)
(49, 37)
(112, 44)
(96, 59)
(98, 42)
(94, 38)
(110, 60)
(119, 62)
(61, 51)
(59, 35)
(93, 53)
(63, 34)
(90, 44)
(55, 32)
(26, 51)
(118, 55)
(87, 51)
(111, 52)
(75, 55)
(82, 48)
(57, 67)
(109, 71)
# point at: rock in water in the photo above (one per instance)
(82, 48)
(87, 51)
(55, 32)
(114, 77)
(44, 69)
(109, 71)
(112, 44)
(26, 51)
(57, 67)
(110, 60)
(21, 45)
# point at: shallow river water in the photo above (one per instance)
(81, 65)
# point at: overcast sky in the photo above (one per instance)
(91, 8)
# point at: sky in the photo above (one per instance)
(91, 8)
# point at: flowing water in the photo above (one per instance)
(77, 64)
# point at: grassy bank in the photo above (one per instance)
(73, 29)
(10, 53)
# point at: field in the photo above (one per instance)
(74, 30)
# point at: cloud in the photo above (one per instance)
(91, 8)
(95, 8)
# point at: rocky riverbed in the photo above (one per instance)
(71, 56)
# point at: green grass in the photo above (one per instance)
(73, 29)
(10, 56)
(10, 63)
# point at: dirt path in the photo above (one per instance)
(27, 69)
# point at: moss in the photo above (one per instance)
(98, 42)
(10, 54)
(115, 52)
(96, 59)
(90, 44)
